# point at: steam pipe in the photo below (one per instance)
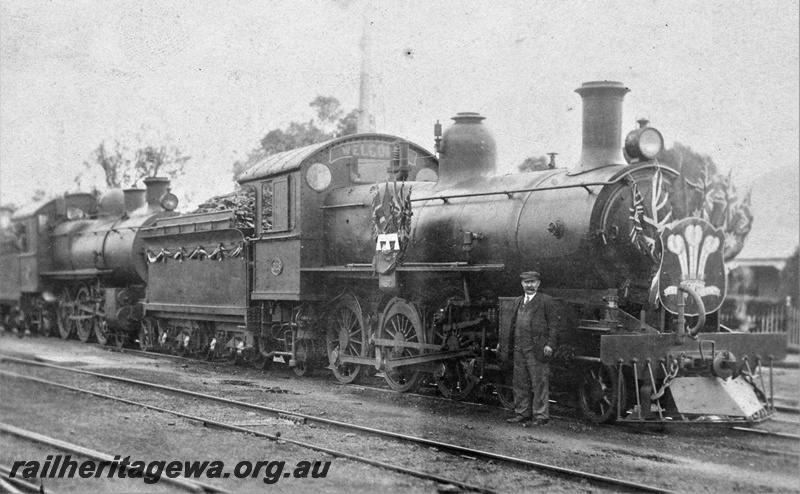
(701, 310)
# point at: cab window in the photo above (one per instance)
(275, 205)
(266, 206)
(23, 240)
(402, 163)
(369, 170)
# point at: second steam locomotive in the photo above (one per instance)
(369, 253)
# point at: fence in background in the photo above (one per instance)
(762, 318)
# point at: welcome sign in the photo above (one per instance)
(361, 149)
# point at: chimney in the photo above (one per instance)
(134, 199)
(602, 124)
(156, 187)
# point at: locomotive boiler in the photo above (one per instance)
(82, 267)
(566, 222)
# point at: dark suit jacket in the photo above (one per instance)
(543, 327)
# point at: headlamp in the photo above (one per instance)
(644, 143)
(169, 202)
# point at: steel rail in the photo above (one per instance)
(453, 448)
(5, 486)
(143, 353)
(785, 409)
(236, 428)
(155, 355)
(782, 421)
(767, 433)
(189, 485)
(17, 484)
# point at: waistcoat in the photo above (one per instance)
(523, 336)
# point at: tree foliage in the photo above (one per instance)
(123, 165)
(534, 164)
(696, 167)
(704, 192)
(330, 122)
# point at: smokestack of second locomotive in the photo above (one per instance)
(134, 199)
(156, 188)
(602, 124)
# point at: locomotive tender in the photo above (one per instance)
(369, 253)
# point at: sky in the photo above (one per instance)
(214, 77)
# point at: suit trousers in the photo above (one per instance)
(531, 386)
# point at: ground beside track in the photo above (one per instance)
(708, 459)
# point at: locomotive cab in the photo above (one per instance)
(27, 252)
(320, 196)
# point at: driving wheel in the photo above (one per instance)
(401, 323)
(65, 312)
(345, 336)
(84, 315)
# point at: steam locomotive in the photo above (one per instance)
(370, 254)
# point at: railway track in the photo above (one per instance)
(236, 428)
(456, 450)
(184, 484)
(779, 406)
(767, 433)
(748, 430)
(17, 485)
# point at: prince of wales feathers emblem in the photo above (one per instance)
(693, 258)
(658, 204)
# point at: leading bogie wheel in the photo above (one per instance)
(345, 336)
(505, 395)
(401, 323)
(599, 392)
(455, 379)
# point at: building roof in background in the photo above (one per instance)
(775, 203)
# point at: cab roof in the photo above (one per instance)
(293, 159)
(34, 208)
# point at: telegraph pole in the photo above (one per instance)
(366, 93)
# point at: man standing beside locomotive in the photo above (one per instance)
(533, 336)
